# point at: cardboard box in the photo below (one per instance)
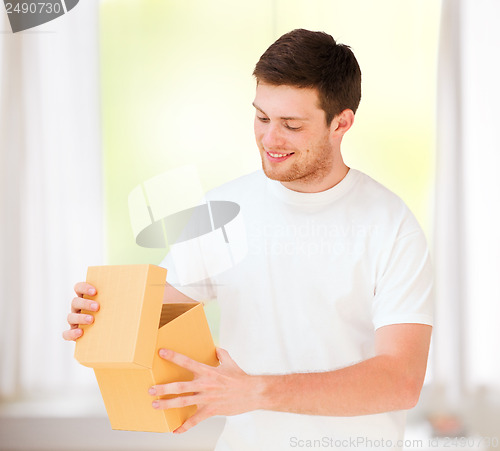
(123, 342)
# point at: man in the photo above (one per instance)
(326, 322)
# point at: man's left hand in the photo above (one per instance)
(222, 390)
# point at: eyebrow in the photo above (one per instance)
(283, 118)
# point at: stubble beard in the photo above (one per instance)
(305, 172)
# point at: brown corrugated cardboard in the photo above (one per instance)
(122, 344)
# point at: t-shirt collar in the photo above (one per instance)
(323, 197)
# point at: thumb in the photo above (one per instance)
(223, 356)
(226, 362)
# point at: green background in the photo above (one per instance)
(177, 89)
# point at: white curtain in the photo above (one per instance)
(50, 195)
(467, 238)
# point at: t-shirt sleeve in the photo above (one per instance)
(201, 291)
(403, 291)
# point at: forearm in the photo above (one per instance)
(173, 296)
(390, 381)
(372, 386)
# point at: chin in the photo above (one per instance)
(277, 175)
(288, 174)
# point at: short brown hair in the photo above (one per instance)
(312, 59)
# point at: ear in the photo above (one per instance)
(341, 123)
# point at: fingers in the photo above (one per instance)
(79, 304)
(222, 355)
(180, 401)
(227, 362)
(72, 334)
(174, 388)
(212, 389)
(183, 361)
(82, 288)
(198, 417)
(74, 319)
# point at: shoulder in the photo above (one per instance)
(374, 192)
(246, 185)
(381, 205)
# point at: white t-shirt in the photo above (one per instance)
(323, 271)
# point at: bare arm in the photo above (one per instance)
(391, 380)
(172, 295)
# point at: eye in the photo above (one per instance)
(289, 127)
(263, 119)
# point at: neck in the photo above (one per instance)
(319, 183)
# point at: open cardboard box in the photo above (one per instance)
(122, 344)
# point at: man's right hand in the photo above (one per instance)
(75, 318)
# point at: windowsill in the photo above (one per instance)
(66, 405)
(71, 423)
(77, 422)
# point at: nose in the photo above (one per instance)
(272, 137)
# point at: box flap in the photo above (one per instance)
(171, 311)
(124, 332)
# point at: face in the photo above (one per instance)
(296, 146)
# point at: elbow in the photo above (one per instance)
(410, 393)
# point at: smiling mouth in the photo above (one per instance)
(274, 156)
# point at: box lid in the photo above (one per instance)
(125, 329)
